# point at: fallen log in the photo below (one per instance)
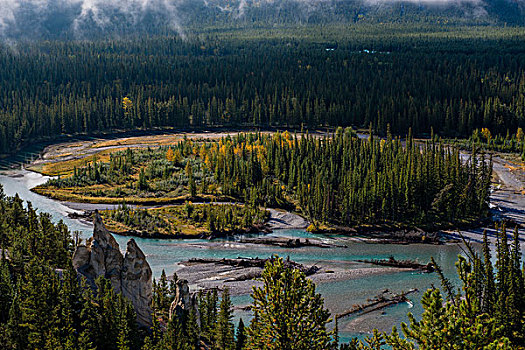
(254, 262)
(404, 264)
(381, 301)
(289, 243)
(246, 276)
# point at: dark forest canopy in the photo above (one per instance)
(454, 79)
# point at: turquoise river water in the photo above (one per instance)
(338, 295)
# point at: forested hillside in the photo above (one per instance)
(89, 19)
(452, 79)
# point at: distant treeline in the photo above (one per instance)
(454, 81)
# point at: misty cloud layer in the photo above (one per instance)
(75, 18)
(19, 17)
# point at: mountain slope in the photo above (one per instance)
(91, 18)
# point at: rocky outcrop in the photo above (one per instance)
(183, 300)
(130, 274)
(136, 281)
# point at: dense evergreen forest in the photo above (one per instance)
(348, 181)
(454, 79)
(337, 179)
(45, 305)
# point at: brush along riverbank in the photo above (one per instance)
(358, 184)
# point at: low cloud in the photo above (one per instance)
(430, 2)
(26, 17)
(81, 18)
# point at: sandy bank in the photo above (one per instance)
(280, 219)
(240, 280)
(507, 202)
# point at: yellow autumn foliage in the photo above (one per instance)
(486, 133)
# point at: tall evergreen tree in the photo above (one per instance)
(287, 312)
(240, 337)
(224, 329)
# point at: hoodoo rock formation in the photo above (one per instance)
(130, 274)
(183, 299)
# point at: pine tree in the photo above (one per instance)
(127, 325)
(16, 331)
(39, 303)
(224, 329)
(517, 291)
(192, 186)
(142, 183)
(489, 294)
(152, 341)
(161, 296)
(240, 338)
(192, 329)
(286, 302)
(6, 290)
(70, 303)
(448, 327)
(209, 316)
(88, 337)
(174, 338)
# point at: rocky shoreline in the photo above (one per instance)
(278, 220)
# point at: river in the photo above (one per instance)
(339, 295)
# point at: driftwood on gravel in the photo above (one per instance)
(289, 243)
(383, 300)
(250, 275)
(254, 262)
(404, 264)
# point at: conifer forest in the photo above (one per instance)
(262, 174)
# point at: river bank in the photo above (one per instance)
(342, 281)
(62, 158)
(507, 203)
(507, 198)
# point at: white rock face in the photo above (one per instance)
(130, 274)
(183, 301)
(136, 281)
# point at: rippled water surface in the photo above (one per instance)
(339, 296)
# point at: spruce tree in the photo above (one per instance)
(70, 303)
(192, 329)
(489, 293)
(224, 329)
(174, 338)
(16, 331)
(6, 290)
(240, 337)
(282, 307)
